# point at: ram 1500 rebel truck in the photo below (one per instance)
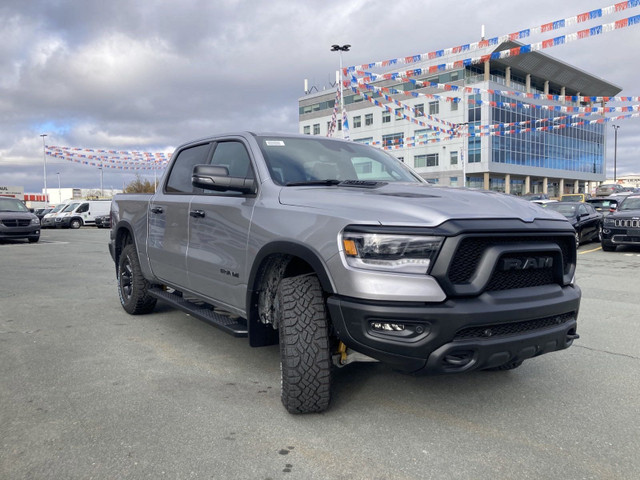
(339, 252)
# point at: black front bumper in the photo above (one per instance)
(461, 334)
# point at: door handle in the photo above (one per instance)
(197, 213)
(157, 210)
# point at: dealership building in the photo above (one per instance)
(503, 131)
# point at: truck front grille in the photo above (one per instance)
(630, 223)
(469, 272)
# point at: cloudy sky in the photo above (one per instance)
(148, 75)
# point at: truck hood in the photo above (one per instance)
(408, 203)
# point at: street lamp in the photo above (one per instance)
(44, 158)
(341, 48)
(101, 189)
(615, 150)
(59, 191)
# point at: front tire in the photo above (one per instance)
(607, 247)
(75, 223)
(305, 357)
(132, 286)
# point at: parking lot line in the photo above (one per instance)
(590, 251)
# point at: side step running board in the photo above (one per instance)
(233, 326)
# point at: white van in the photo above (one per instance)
(82, 212)
(49, 220)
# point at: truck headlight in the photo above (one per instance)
(35, 221)
(391, 252)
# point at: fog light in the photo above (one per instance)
(387, 327)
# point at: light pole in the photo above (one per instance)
(341, 48)
(59, 191)
(101, 183)
(44, 159)
(615, 151)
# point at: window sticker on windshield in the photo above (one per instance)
(274, 143)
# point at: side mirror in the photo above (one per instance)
(215, 177)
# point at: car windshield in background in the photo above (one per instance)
(71, 207)
(317, 160)
(12, 205)
(630, 203)
(563, 208)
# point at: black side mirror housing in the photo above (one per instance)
(216, 177)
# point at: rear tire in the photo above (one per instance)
(132, 286)
(305, 357)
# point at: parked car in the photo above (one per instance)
(82, 212)
(103, 221)
(623, 226)
(540, 198)
(574, 197)
(49, 219)
(604, 205)
(16, 221)
(41, 212)
(586, 221)
(607, 189)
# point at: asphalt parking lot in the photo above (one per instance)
(88, 391)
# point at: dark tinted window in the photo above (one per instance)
(180, 176)
(235, 157)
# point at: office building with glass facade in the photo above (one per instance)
(502, 132)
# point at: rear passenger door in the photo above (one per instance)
(168, 217)
(219, 230)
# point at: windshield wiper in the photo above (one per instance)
(314, 182)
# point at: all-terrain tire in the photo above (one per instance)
(132, 286)
(305, 357)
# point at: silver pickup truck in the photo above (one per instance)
(340, 253)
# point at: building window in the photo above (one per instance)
(428, 160)
(394, 139)
(357, 121)
(453, 156)
(368, 119)
(453, 181)
(307, 130)
(454, 104)
(386, 117)
(434, 108)
(419, 110)
(316, 129)
(367, 140)
(398, 114)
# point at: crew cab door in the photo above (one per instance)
(219, 225)
(168, 218)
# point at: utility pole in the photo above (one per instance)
(615, 151)
(341, 48)
(44, 159)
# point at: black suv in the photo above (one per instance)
(16, 221)
(623, 226)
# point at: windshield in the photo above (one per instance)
(294, 160)
(58, 208)
(71, 207)
(632, 203)
(563, 208)
(12, 205)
